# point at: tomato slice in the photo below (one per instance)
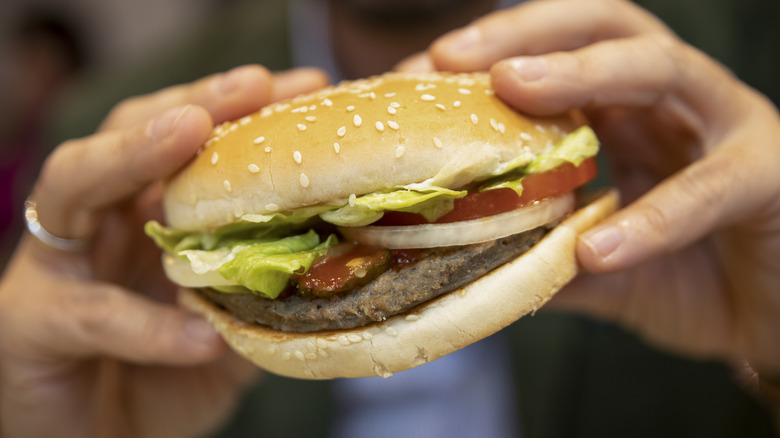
(475, 205)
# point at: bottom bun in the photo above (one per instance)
(428, 332)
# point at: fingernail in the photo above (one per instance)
(603, 241)
(530, 68)
(230, 81)
(162, 126)
(464, 39)
(200, 330)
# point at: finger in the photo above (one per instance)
(107, 320)
(417, 63)
(644, 71)
(297, 81)
(536, 28)
(83, 177)
(724, 187)
(226, 96)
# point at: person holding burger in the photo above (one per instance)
(79, 348)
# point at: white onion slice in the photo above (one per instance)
(464, 232)
(180, 272)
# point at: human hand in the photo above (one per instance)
(692, 263)
(91, 342)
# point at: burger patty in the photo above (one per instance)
(393, 292)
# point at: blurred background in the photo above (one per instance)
(64, 64)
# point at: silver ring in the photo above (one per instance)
(36, 229)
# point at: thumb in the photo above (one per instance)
(707, 194)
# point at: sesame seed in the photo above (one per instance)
(254, 168)
(392, 124)
(312, 107)
(412, 318)
(304, 180)
(399, 151)
(391, 331)
(301, 127)
(259, 140)
(474, 119)
(540, 128)
(343, 340)
(440, 106)
(501, 127)
(327, 102)
(427, 97)
(266, 112)
(299, 356)
(372, 95)
(494, 124)
(367, 335)
(357, 120)
(342, 131)
(489, 92)
(214, 158)
(268, 149)
(464, 91)
(234, 126)
(456, 104)
(245, 120)
(389, 94)
(352, 199)
(354, 338)
(227, 186)
(380, 127)
(351, 108)
(271, 207)
(395, 104)
(525, 136)
(336, 147)
(297, 157)
(300, 109)
(391, 110)
(437, 142)
(311, 118)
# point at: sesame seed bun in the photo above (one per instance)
(354, 138)
(361, 137)
(432, 330)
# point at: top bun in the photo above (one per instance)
(354, 138)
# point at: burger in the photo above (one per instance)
(378, 224)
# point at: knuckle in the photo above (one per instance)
(123, 111)
(90, 314)
(707, 187)
(656, 220)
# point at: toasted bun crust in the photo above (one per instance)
(357, 137)
(432, 330)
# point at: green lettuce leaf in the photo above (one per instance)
(431, 202)
(262, 266)
(574, 148)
